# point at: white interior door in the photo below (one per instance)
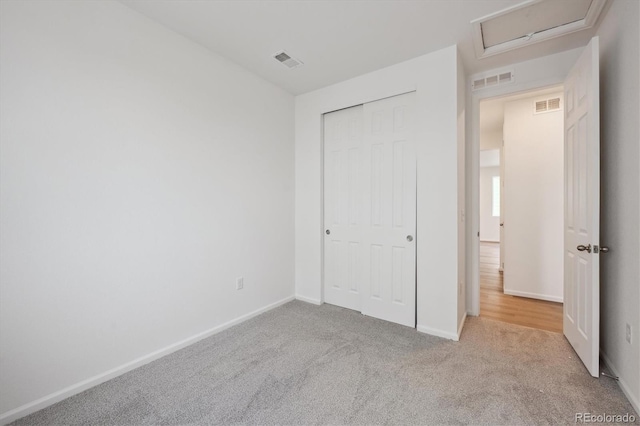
(390, 210)
(370, 209)
(581, 319)
(343, 207)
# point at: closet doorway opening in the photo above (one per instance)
(370, 209)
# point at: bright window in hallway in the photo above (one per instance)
(495, 206)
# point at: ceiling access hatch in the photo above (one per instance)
(531, 22)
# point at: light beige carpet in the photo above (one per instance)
(305, 364)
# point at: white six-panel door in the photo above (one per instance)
(581, 319)
(343, 182)
(370, 209)
(389, 210)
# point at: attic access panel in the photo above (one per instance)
(531, 22)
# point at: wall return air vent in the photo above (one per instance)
(531, 22)
(492, 80)
(285, 59)
(546, 105)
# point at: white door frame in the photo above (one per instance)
(473, 302)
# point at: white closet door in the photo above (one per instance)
(343, 201)
(389, 210)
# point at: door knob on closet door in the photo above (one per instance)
(328, 232)
(409, 238)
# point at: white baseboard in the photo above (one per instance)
(533, 295)
(633, 399)
(489, 241)
(58, 396)
(464, 318)
(438, 333)
(308, 300)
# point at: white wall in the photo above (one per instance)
(461, 93)
(490, 157)
(620, 190)
(489, 224)
(140, 174)
(432, 76)
(490, 140)
(533, 211)
(541, 72)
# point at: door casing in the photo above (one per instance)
(473, 302)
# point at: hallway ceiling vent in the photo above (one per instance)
(531, 22)
(492, 80)
(285, 59)
(546, 105)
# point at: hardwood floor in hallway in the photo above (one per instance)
(494, 304)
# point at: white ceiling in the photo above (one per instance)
(337, 40)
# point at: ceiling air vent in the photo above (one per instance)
(285, 59)
(493, 80)
(546, 105)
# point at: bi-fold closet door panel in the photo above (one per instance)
(370, 209)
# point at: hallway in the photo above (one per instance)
(496, 305)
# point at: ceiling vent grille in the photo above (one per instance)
(546, 105)
(493, 80)
(285, 59)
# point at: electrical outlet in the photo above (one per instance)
(239, 283)
(628, 333)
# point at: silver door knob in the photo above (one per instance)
(586, 248)
(604, 249)
(409, 238)
(328, 232)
